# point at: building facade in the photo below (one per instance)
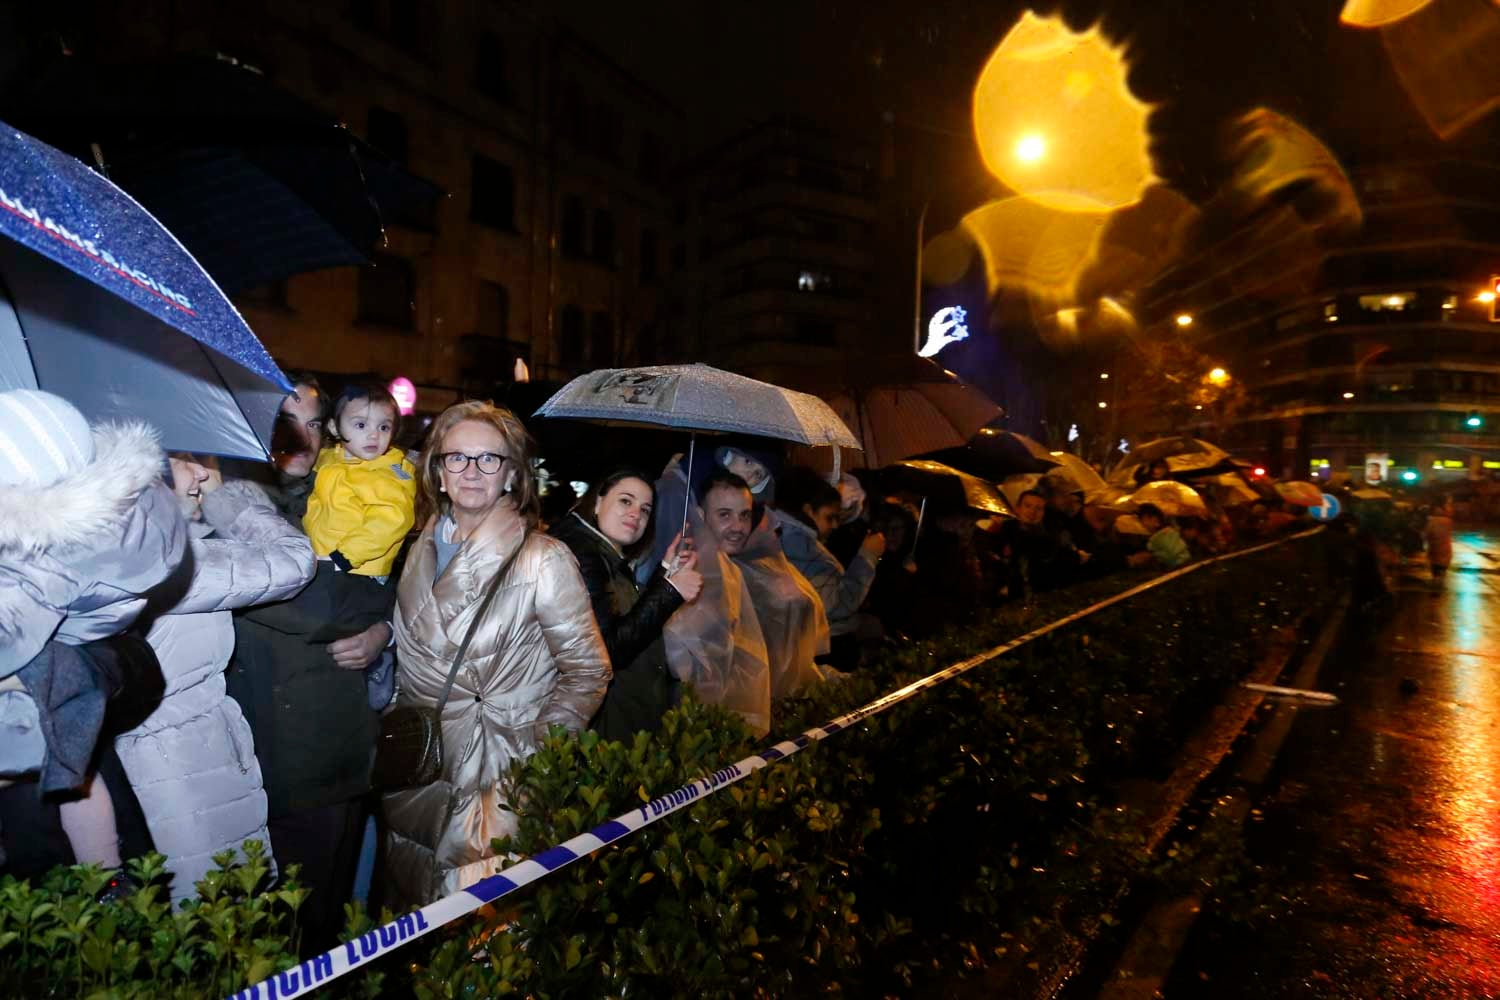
(550, 243)
(780, 251)
(1379, 346)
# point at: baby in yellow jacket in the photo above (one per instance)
(363, 501)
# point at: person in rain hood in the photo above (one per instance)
(716, 643)
(192, 761)
(791, 613)
(674, 488)
(87, 529)
(808, 513)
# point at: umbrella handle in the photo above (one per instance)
(688, 496)
(834, 479)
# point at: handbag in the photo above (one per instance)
(409, 749)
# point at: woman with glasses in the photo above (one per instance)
(535, 659)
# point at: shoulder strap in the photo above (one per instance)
(484, 605)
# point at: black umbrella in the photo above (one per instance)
(995, 454)
(256, 183)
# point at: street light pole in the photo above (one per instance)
(916, 308)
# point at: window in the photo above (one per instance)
(653, 160)
(604, 238)
(650, 256)
(601, 340)
(387, 292)
(570, 338)
(491, 75)
(387, 132)
(814, 281)
(492, 202)
(609, 133)
(1388, 302)
(493, 311)
(574, 227)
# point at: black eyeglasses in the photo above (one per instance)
(457, 463)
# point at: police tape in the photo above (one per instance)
(318, 971)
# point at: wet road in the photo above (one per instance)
(1380, 829)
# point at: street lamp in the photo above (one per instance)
(1031, 148)
(1218, 376)
(1348, 395)
(1184, 319)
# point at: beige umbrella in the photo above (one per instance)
(1232, 490)
(1173, 498)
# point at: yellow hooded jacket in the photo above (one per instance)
(361, 509)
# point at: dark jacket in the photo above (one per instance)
(1039, 560)
(314, 729)
(631, 620)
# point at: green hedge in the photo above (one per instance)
(979, 809)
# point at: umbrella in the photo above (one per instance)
(1077, 471)
(1173, 498)
(1232, 490)
(1182, 454)
(1371, 494)
(946, 486)
(255, 182)
(994, 454)
(897, 406)
(699, 398)
(181, 359)
(1300, 494)
(1013, 486)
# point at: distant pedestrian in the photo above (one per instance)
(1440, 539)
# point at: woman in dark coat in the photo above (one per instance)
(605, 531)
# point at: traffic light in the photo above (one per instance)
(1474, 421)
(1410, 476)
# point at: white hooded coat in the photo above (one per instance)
(192, 761)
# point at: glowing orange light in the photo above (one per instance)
(1031, 148)
(1486, 297)
(1046, 80)
(1374, 13)
(1218, 376)
(1183, 319)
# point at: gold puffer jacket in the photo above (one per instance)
(537, 659)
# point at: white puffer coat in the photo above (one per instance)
(192, 762)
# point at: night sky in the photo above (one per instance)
(848, 62)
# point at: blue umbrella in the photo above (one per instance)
(182, 358)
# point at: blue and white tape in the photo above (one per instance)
(309, 975)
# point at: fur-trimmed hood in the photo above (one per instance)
(93, 501)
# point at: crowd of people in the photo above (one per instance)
(196, 655)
